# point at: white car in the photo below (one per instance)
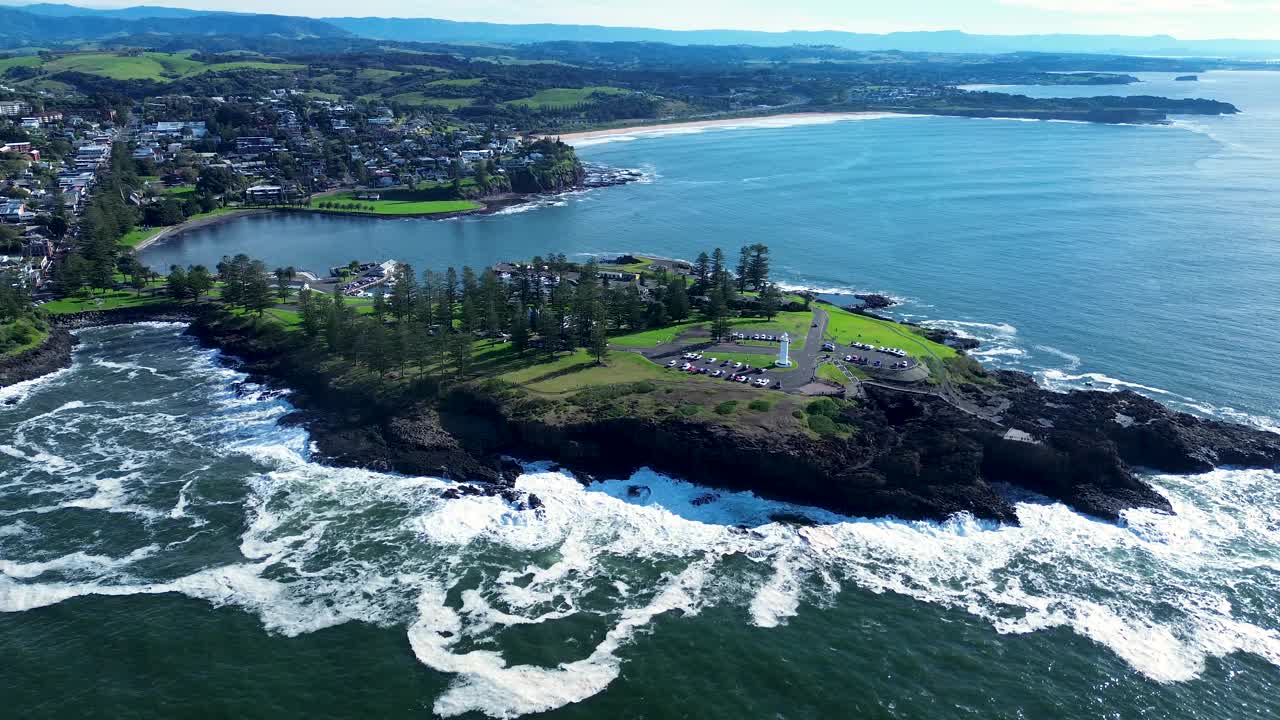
(671, 364)
(710, 360)
(737, 366)
(717, 373)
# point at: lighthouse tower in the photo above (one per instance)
(784, 352)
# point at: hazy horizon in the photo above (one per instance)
(1182, 19)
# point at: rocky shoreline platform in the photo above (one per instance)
(911, 456)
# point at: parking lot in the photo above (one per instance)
(728, 370)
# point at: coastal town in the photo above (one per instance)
(195, 158)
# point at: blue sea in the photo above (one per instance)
(167, 548)
(1146, 255)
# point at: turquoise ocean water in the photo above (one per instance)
(167, 549)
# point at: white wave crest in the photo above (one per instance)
(322, 546)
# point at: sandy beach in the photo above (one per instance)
(764, 121)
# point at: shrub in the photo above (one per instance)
(824, 406)
(602, 393)
(689, 410)
(797, 414)
(823, 425)
(760, 405)
(727, 407)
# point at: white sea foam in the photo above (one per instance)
(980, 331)
(323, 546)
(13, 395)
(1073, 361)
(1060, 380)
(996, 352)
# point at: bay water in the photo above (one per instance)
(168, 549)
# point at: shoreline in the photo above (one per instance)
(489, 206)
(186, 225)
(468, 438)
(749, 121)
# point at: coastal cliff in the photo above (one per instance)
(909, 455)
(49, 356)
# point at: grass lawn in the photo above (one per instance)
(635, 267)
(755, 361)
(563, 97)
(111, 300)
(655, 336)
(794, 323)
(572, 372)
(827, 371)
(846, 327)
(400, 202)
(136, 236)
(291, 319)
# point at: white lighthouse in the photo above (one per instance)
(784, 352)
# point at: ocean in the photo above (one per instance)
(167, 548)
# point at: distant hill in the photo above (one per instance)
(19, 28)
(153, 19)
(129, 13)
(952, 41)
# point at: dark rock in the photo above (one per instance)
(50, 356)
(874, 301)
(704, 499)
(908, 455)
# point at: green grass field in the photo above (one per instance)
(111, 300)
(157, 66)
(641, 265)
(794, 323)
(378, 74)
(456, 83)
(846, 327)
(418, 99)
(22, 61)
(578, 370)
(563, 97)
(830, 372)
(136, 236)
(399, 202)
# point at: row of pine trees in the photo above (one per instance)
(435, 319)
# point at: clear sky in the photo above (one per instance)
(1189, 19)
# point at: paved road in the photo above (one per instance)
(806, 358)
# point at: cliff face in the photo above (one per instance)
(55, 352)
(50, 356)
(909, 456)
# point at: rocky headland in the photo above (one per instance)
(910, 455)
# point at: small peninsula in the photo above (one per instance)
(606, 367)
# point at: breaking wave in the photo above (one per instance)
(319, 546)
